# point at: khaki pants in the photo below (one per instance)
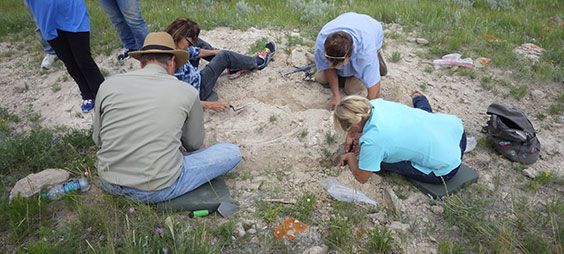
(353, 85)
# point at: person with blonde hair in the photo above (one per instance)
(347, 54)
(183, 33)
(390, 136)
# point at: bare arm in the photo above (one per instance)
(374, 92)
(333, 80)
(360, 175)
(207, 52)
(97, 124)
(193, 131)
(217, 106)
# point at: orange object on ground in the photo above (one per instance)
(492, 38)
(290, 228)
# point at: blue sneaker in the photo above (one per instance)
(87, 105)
(266, 54)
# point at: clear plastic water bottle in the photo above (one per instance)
(57, 192)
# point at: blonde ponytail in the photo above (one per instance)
(351, 110)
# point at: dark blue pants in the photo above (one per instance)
(223, 60)
(405, 168)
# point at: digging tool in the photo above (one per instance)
(227, 209)
(305, 69)
(239, 108)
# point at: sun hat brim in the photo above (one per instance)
(181, 56)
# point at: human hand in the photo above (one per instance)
(218, 106)
(333, 102)
(346, 158)
(351, 143)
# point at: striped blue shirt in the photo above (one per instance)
(189, 73)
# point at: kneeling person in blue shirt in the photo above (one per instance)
(390, 136)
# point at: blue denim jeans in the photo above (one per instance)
(199, 167)
(127, 19)
(46, 47)
(405, 168)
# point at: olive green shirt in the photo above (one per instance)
(141, 119)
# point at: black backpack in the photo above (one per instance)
(512, 133)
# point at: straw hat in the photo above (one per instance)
(161, 42)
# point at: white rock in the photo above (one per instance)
(379, 216)
(298, 57)
(437, 209)
(396, 225)
(317, 250)
(537, 94)
(32, 184)
(393, 201)
(530, 172)
(422, 41)
(239, 230)
(252, 231)
(504, 195)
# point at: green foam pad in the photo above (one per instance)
(206, 197)
(212, 97)
(465, 175)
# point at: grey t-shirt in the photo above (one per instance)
(141, 119)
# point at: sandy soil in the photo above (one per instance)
(283, 162)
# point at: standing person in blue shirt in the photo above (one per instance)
(347, 55)
(129, 24)
(50, 56)
(390, 136)
(181, 30)
(65, 24)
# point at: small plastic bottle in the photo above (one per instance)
(57, 192)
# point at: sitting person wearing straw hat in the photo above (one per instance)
(141, 120)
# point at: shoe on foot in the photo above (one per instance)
(124, 54)
(48, 61)
(87, 105)
(266, 54)
(383, 67)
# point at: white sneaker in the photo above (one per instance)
(48, 61)
(124, 54)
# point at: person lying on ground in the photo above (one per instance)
(347, 54)
(390, 136)
(183, 25)
(204, 80)
(143, 118)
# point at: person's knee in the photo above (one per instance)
(319, 76)
(231, 151)
(353, 86)
(222, 53)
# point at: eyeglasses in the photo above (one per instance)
(337, 57)
(189, 42)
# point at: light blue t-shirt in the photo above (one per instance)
(65, 15)
(396, 132)
(367, 35)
